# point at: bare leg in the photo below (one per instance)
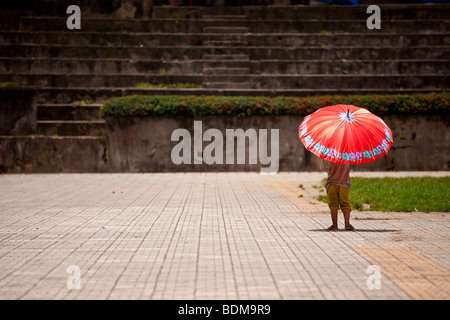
(334, 219)
(348, 226)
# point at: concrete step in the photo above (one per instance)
(71, 128)
(276, 66)
(209, 71)
(375, 81)
(353, 67)
(333, 38)
(82, 65)
(224, 17)
(227, 85)
(226, 30)
(68, 112)
(226, 57)
(225, 43)
(389, 11)
(203, 52)
(101, 94)
(257, 26)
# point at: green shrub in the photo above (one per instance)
(8, 84)
(194, 106)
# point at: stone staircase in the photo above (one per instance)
(222, 70)
(270, 51)
(69, 120)
(249, 51)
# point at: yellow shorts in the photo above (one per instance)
(338, 198)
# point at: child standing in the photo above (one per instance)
(338, 192)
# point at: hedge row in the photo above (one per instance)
(194, 106)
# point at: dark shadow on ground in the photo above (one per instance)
(357, 230)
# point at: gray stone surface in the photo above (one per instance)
(282, 50)
(144, 144)
(208, 236)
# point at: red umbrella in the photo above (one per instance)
(345, 134)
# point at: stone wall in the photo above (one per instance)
(17, 111)
(147, 144)
(41, 154)
(421, 143)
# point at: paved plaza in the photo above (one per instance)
(209, 236)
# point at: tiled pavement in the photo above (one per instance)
(208, 236)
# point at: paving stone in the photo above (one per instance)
(208, 236)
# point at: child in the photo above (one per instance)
(338, 192)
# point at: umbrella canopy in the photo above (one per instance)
(345, 134)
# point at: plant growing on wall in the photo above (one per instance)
(193, 106)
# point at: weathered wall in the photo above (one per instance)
(31, 154)
(136, 144)
(421, 142)
(145, 145)
(17, 112)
